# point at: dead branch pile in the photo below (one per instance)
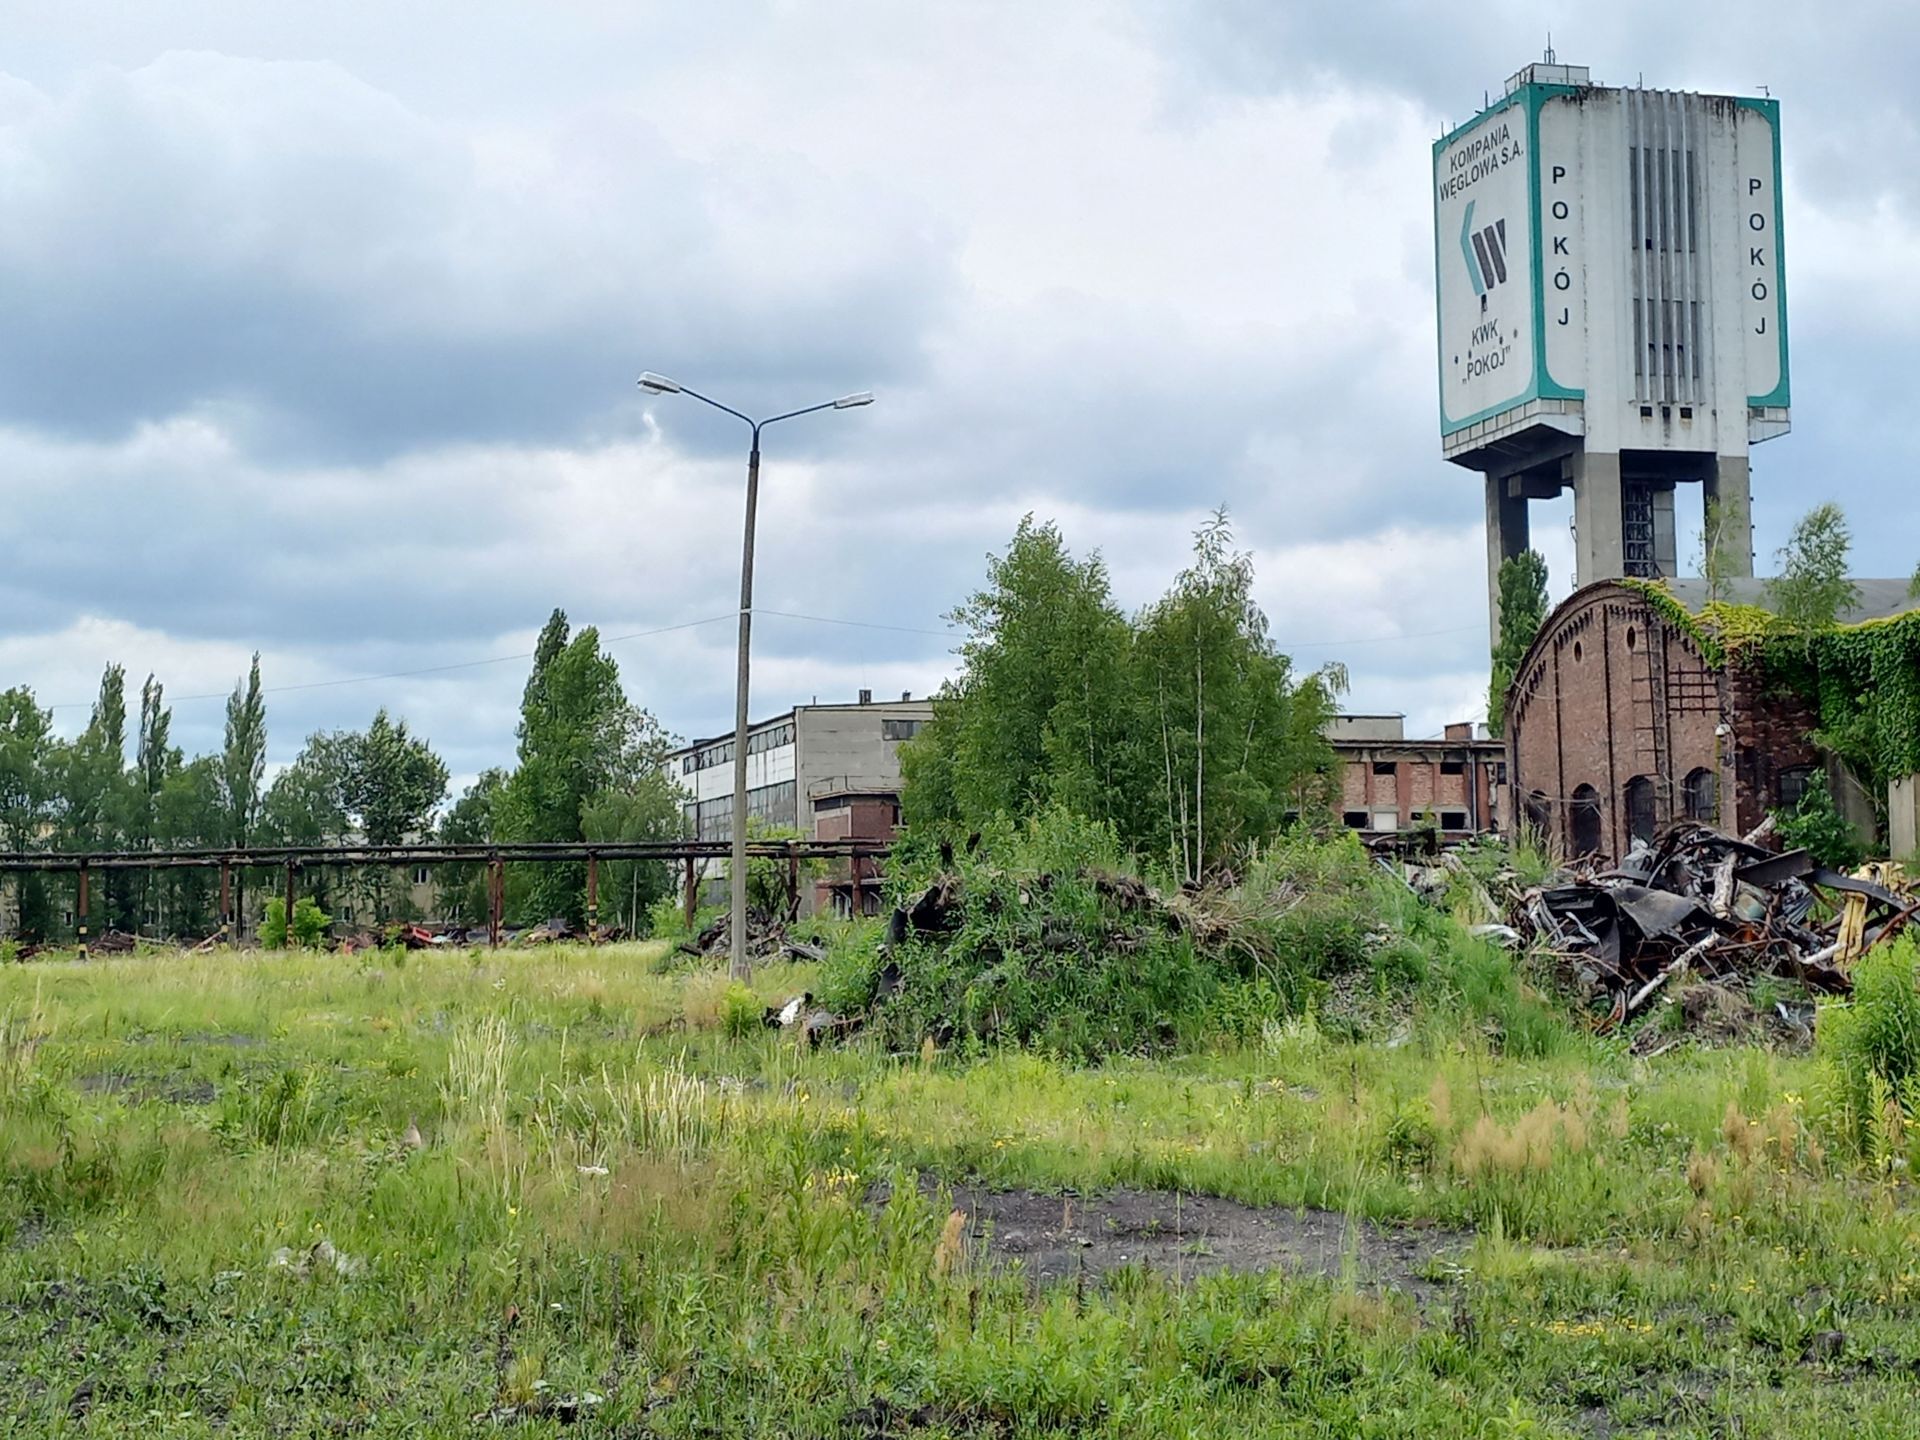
(767, 939)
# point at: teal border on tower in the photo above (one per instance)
(1540, 386)
(1544, 385)
(1781, 394)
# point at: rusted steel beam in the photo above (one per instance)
(18, 862)
(689, 895)
(793, 880)
(85, 905)
(290, 904)
(226, 902)
(496, 900)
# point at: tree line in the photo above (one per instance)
(1183, 727)
(588, 765)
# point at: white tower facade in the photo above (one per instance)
(1612, 310)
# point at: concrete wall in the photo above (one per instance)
(1903, 818)
(845, 747)
(1367, 727)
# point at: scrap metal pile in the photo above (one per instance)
(1697, 900)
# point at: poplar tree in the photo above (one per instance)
(578, 736)
(243, 764)
(155, 760)
(1521, 594)
(92, 781)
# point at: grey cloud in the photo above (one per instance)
(337, 360)
(1844, 78)
(335, 275)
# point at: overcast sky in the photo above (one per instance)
(321, 324)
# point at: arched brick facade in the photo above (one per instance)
(1612, 690)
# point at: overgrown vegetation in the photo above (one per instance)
(1814, 822)
(265, 1195)
(1863, 679)
(310, 924)
(1521, 594)
(1871, 1046)
(1184, 729)
(1049, 935)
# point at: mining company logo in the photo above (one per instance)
(1485, 251)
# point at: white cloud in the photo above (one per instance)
(322, 331)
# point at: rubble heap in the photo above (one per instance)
(1726, 908)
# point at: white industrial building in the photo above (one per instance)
(809, 761)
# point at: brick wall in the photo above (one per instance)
(1418, 785)
(1582, 714)
(1770, 728)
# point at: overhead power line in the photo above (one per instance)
(858, 624)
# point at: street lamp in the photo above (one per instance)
(660, 385)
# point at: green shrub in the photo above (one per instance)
(1050, 951)
(851, 970)
(310, 924)
(1060, 945)
(1870, 1049)
(1483, 982)
(1815, 823)
(741, 1012)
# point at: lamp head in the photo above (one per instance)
(854, 401)
(659, 384)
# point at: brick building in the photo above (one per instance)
(1389, 783)
(849, 887)
(1618, 724)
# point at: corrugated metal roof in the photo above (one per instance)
(1878, 598)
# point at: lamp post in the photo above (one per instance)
(654, 384)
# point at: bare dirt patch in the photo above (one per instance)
(1057, 1237)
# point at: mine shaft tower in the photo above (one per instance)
(1612, 311)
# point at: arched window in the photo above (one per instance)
(1791, 784)
(1583, 820)
(1702, 792)
(1539, 817)
(1639, 799)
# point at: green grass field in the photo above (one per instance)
(626, 1212)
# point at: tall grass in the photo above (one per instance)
(23, 1030)
(479, 1060)
(1870, 1046)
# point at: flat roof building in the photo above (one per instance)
(826, 771)
(1390, 784)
